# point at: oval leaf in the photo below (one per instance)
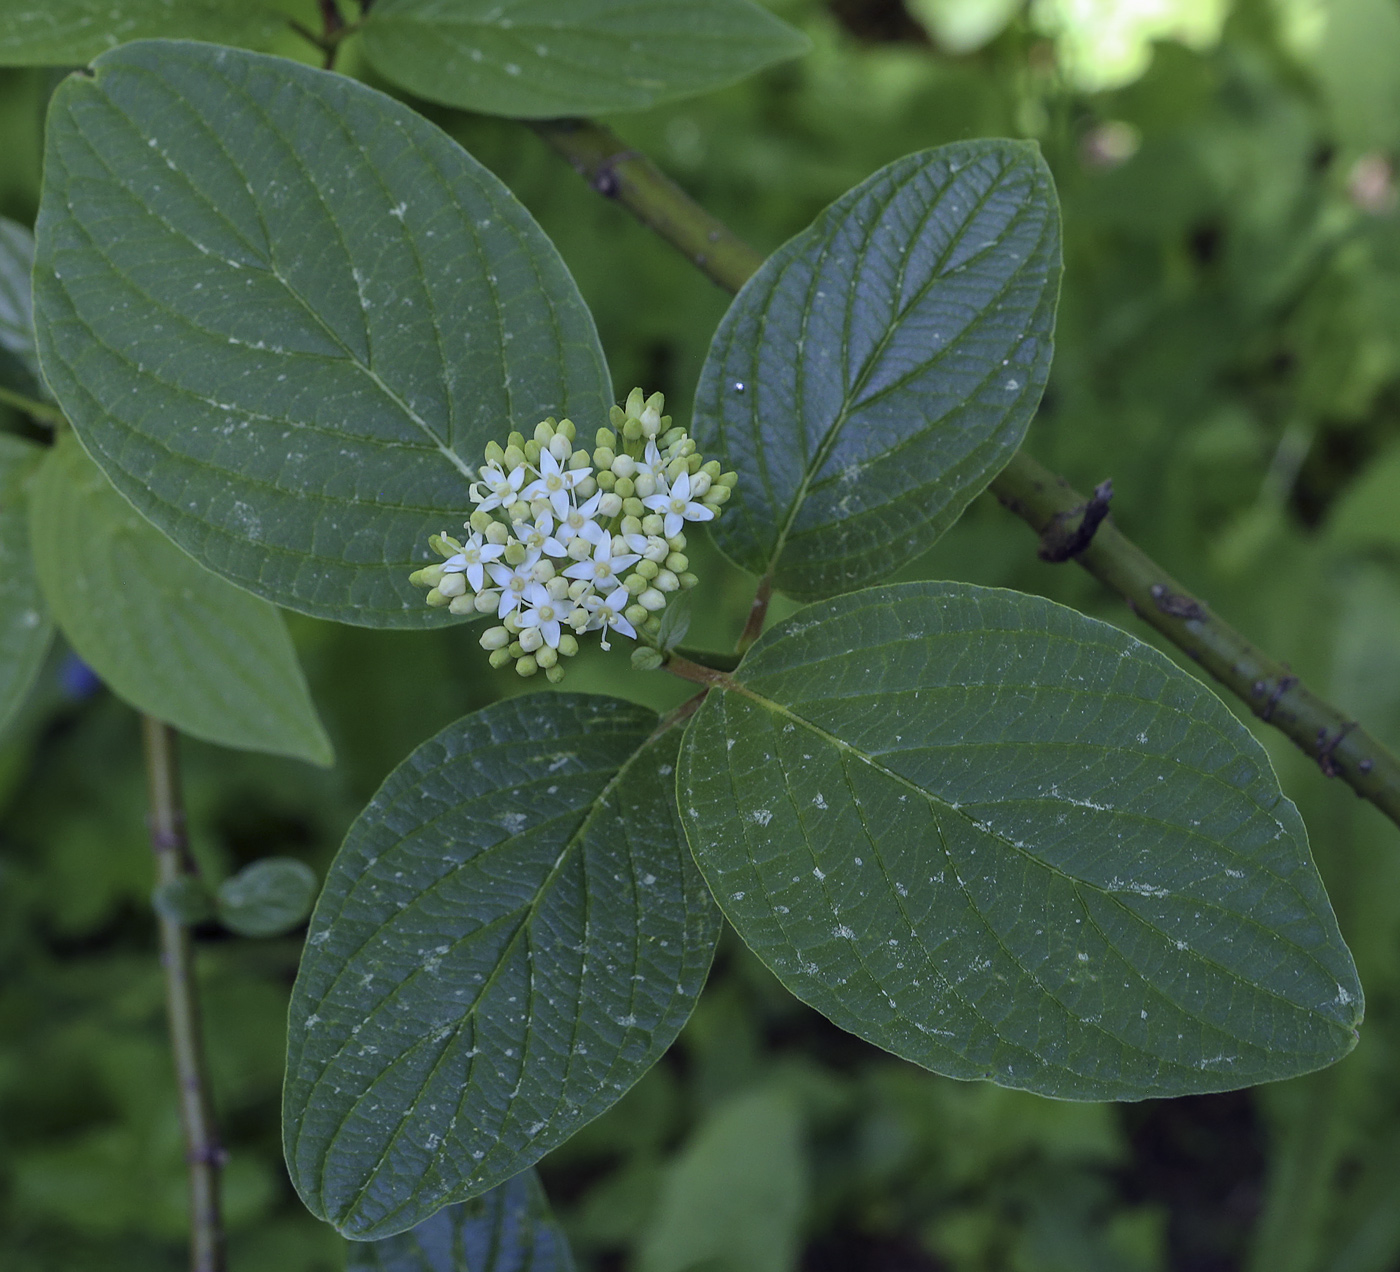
(25, 628)
(267, 898)
(286, 314)
(19, 367)
(511, 935)
(881, 368)
(509, 1229)
(171, 638)
(70, 32)
(538, 59)
(1006, 841)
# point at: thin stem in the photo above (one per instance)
(203, 1152)
(698, 673)
(758, 611)
(32, 407)
(1341, 747)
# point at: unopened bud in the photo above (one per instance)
(515, 453)
(634, 507)
(543, 570)
(495, 638)
(451, 585)
(666, 581)
(646, 485)
(547, 657)
(610, 504)
(497, 533)
(558, 587)
(677, 562)
(532, 452)
(481, 522)
(635, 614)
(635, 584)
(580, 549)
(515, 553)
(646, 568)
(437, 599)
(566, 426)
(554, 674)
(499, 658)
(606, 437)
(486, 602)
(631, 525)
(461, 605)
(585, 488)
(699, 484)
(651, 599)
(531, 639)
(495, 454)
(526, 666)
(568, 645)
(603, 456)
(687, 581)
(544, 432)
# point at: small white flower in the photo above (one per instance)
(503, 487)
(607, 612)
(677, 506)
(472, 560)
(513, 584)
(651, 463)
(602, 568)
(579, 523)
(539, 538)
(554, 483)
(544, 612)
(651, 546)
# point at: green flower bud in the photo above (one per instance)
(500, 657)
(495, 638)
(544, 433)
(497, 533)
(464, 604)
(560, 447)
(586, 487)
(481, 521)
(532, 452)
(646, 568)
(711, 470)
(568, 645)
(526, 666)
(636, 403)
(653, 523)
(666, 581)
(635, 584)
(616, 417)
(676, 543)
(428, 576)
(729, 479)
(688, 581)
(554, 674)
(610, 505)
(515, 452)
(699, 486)
(443, 544)
(645, 658)
(578, 619)
(678, 562)
(603, 456)
(558, 587)
(547, 657)
(531, 639)
(670, 438)
(635, 614)
(437, 600)
(675, 468)
(632, 525)
(606, 480)
(495, 453)
(634, 507)
(515, 553)
(607, 438)
(578, 589)
(580, 549)
(566, 427)
(578, 459)
(645, 485)
(716, 496)
(694, 462)
(516, 439)
(542, 570)
(486, 602)
(624, 466)
(632, 430)
(452, 585)
(652, 600)
(516, 649)
(511, 622)
(521, 511)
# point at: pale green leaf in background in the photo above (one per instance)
(733, 1200)
(268, 897)
(164, 633)
(1007, 841)
(25, 626)
(509, 1229)
(882, 366)
(286, 314)
(1367, 516)
(542, 58)
(512, 933)
(70, 32)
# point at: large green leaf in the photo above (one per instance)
(171, 638)
(882, 367)
(511, 935)
(285, 314)
(541, 58)
(509, 1229)
(69, 32)
(25, 629)
(1006, 841)
(19, 367)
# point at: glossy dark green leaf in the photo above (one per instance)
(542, 58)
(171, 638)
(25, 627)
(509, 1229)
(19, 366)
(268, 897)
(70, 32)
(286, 314)
(1006, 841)
(882, 367)
(511, 935)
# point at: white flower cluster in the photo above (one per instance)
(564, 542)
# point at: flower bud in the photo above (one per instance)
(437, 600)
(578, 589)
(544, 432)
(606, 480)
(645, 485)
(603, 456)
(610, 504)
(631, 525)
(511, 622)
(578, 459)
(515, 453)
(562, 449)
(646, 568)
(717, 497)
(547, 657)
(657, 548)
(516, 439)
(670, 438)
(666, 581)
(531, 639)
(687, 581)
(516, 649)
(585, 488)
(497, 533)
(711, 470)
(635, 583)
(444, 544)
(465, 604)
(675, 468)
(499, 658)
(651, 414)
(486, 602)
(632, 430)
(729, 479)
(428, 576)
(521, 511)
(634, 507)
(481, 521)
(616, 416)
(677, 542)
(495, 454)
(699, 484)
(580, 549)
(624, 466)
(451, 585)
(554, 674)
(678, 562)
(495, 638)
(605, 437)
(653, 524)
(578, 619)
(526, 666)
(532, 452)
(558, 587)
(515, 553)
(542, 570)
(568, 645)
(636, 404)
(635, 614)
(566, 426)
(651, 599)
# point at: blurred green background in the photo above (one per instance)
(1228, 352)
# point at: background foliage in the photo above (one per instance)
(1228, 351)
